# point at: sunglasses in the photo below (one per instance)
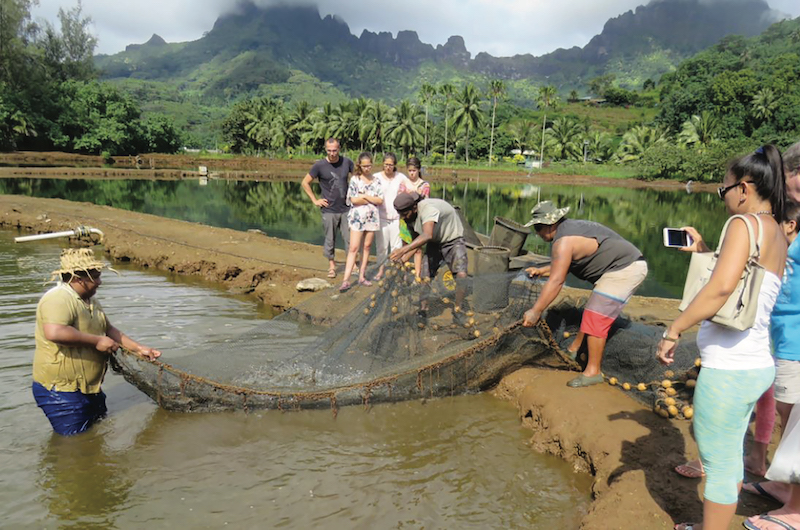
(722, 190)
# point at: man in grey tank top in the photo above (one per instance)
(594, 253)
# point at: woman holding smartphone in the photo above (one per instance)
(737, 365)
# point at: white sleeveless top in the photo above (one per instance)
(727, 349)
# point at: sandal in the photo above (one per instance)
(364, 282)
(690, 470)
(685, 526)
(345, 286)
(331, 273)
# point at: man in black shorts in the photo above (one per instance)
(440, 228)
(333, 173)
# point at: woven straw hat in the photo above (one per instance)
(78, 259)
(546, 213)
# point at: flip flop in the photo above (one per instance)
(582, 381)
(686, 526)
(768, 518)
(689, 471)
(331, 273)
(761, 492)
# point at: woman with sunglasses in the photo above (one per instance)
(737, 365)
(388, 237)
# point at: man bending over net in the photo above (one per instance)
(594, 253)
(441, 232)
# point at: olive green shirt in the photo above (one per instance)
(69, 368)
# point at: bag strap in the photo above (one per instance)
(755, 246)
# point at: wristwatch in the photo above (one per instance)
(666, 336)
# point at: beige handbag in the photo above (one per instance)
(739, 311)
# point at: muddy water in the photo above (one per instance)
(281, 209)
(446, 463)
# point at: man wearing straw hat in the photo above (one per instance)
(593, 253)
(74, 340)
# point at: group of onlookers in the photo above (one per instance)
(741, 368)
(362, 208)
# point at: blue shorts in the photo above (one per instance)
(70, 412)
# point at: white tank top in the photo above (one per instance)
(727, 349)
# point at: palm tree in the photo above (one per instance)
(404, 130)
(547, 98)
(468, 114)
(426, 94)
(497, 89)
(523, 132)
(638, 140)
(764, 104)
(600, 147)
(374, 124)
(258, 126)
(447, 90)
(567, 135)
(573, 96)
(699, 130)
(300, 123)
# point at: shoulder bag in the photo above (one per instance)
(739, 311)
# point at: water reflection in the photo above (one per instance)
(281, 209)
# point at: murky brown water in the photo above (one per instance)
(458, 462)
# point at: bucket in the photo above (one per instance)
(491, 280)
(509, 234)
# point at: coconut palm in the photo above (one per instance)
(405, 130)
(374, 123)
(258, 125)
(468, 114)
(764, 104)
(547, 98)
(426, 94)
(446, 90)
(699, 130)
(497, 90)
(524, 133)
(567, 134)
(300, 123)
(638, 140)
(600, 147)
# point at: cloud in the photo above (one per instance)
(499, 27)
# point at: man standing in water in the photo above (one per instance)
(594, 253)
(333, 173)
(440, 231)
(73, 342)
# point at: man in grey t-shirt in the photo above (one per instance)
(440, 229)
(333, 173)
(594, 253)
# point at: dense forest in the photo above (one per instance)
(51, 99)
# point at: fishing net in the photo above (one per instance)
(366, 345)
(374, 344)
(630, 361)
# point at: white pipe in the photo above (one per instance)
(78, 232)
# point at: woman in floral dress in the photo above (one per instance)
(364, 195)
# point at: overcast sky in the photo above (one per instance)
(500, 27)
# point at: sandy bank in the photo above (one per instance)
(629, 450)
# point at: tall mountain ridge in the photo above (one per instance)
(256, 47)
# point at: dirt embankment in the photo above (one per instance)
(629, 450)
(159, 166)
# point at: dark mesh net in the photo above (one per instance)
(376, 343)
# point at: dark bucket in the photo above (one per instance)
(490, 287)
(509, 234)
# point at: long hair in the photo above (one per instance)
(764, 168)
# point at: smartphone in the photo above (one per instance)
(675, 237)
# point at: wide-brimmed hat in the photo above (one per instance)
(546, 213)
(405, 201)
(78, 259)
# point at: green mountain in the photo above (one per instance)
(293, 53)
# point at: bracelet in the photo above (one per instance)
(665, 336)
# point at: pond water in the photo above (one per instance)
(457, 462)
(281, 209)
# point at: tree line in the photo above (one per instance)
(50, 98)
